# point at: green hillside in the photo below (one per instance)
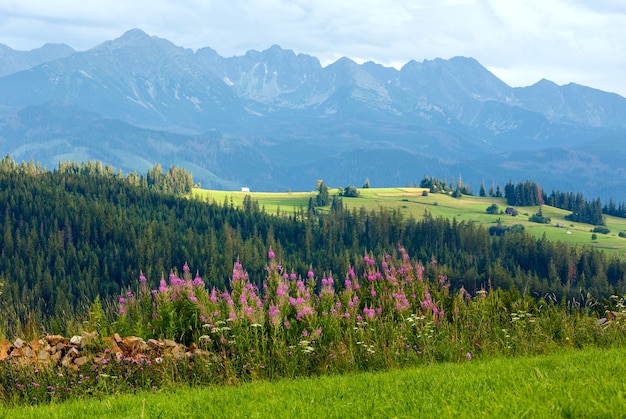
(413, 203)
(79, 232)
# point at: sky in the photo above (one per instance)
(520, 41)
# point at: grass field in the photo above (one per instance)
(568, 383)
(411, 202)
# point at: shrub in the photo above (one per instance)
(349, 192)
(493, 209)
(539, 218)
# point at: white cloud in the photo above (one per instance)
(522, 41)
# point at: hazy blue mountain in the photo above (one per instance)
(574, 104)
(143, 80)
(12, 61)
(261, 76)
(276, 120)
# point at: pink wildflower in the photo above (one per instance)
(198, 282)
(369, 312)
(273, 311)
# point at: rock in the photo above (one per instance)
(81, 360)
(27, 352)
(38, 345)
(73, 352)
(69, 357)
(43, 356)
(53, 340)
(77, 341)
(5, 348)
(55, 358)
(58, 351)
(132, 345)
(115, 348)
(179, 351)
(170, 343)
(155, 345)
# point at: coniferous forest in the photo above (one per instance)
(81, 231)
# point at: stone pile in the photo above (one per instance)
(57, 350)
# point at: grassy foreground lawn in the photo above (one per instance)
(568, 383)
(468, 208)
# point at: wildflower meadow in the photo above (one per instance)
(395, 313)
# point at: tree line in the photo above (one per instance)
(529, 193)
(82, 231)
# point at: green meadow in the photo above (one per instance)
(412, 202)
(567, 383)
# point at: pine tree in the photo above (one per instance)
(482, 191)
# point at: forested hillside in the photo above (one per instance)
(71, 234)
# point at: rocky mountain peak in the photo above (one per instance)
(288, 104)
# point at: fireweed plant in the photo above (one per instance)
(394, 313)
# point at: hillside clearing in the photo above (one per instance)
(412, 202)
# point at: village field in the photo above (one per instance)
(416, 202)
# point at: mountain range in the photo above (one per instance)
(275, 120)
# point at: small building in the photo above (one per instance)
(245, 189)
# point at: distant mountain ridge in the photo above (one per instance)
(12, 61)
(274, 119)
